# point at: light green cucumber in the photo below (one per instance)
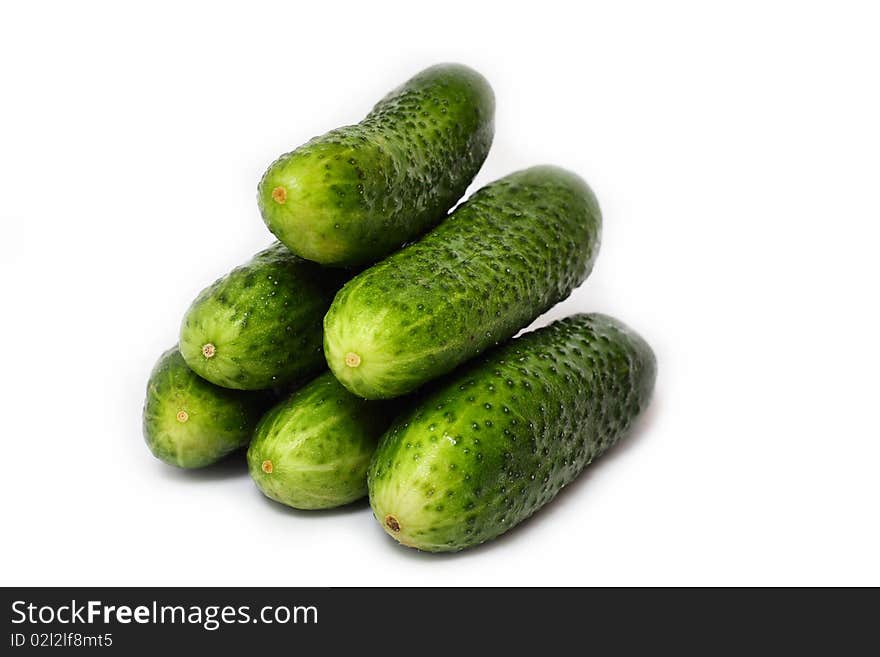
(357, 193)
(488, 446)
(191, 423)
(311, 451)
(260, 325)
(512, 251)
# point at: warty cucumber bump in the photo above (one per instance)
(509, 253)
(488, 446)
(357, 193)
(260, 325)
(191, 423)
(311, 450)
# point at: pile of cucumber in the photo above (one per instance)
(370, 349)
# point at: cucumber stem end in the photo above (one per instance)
(392, 523)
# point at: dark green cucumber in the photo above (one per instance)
(357, 193)
(260, 325)
(513, 250)
(191, 423)
(491, 444)
(312, 450)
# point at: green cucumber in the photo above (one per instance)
(357, 193)
(512, 251)
(260, 325)
(493, 443)
(191, 423)
(312, 450)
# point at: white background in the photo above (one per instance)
(734, 147)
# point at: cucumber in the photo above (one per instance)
(490, 445)
(513, 250)
(260, 325)
(312, 450)
(191, 423)
(357, 193)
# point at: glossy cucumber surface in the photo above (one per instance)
(513, 250)
(357, 193)
(488, 446)
(260, 325)
(189, 422)
(311, 451)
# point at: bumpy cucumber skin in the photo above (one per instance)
(493, 443)
(311, 451)
(512, 251)
(357, 193)
(191, 423)
(263, 320)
